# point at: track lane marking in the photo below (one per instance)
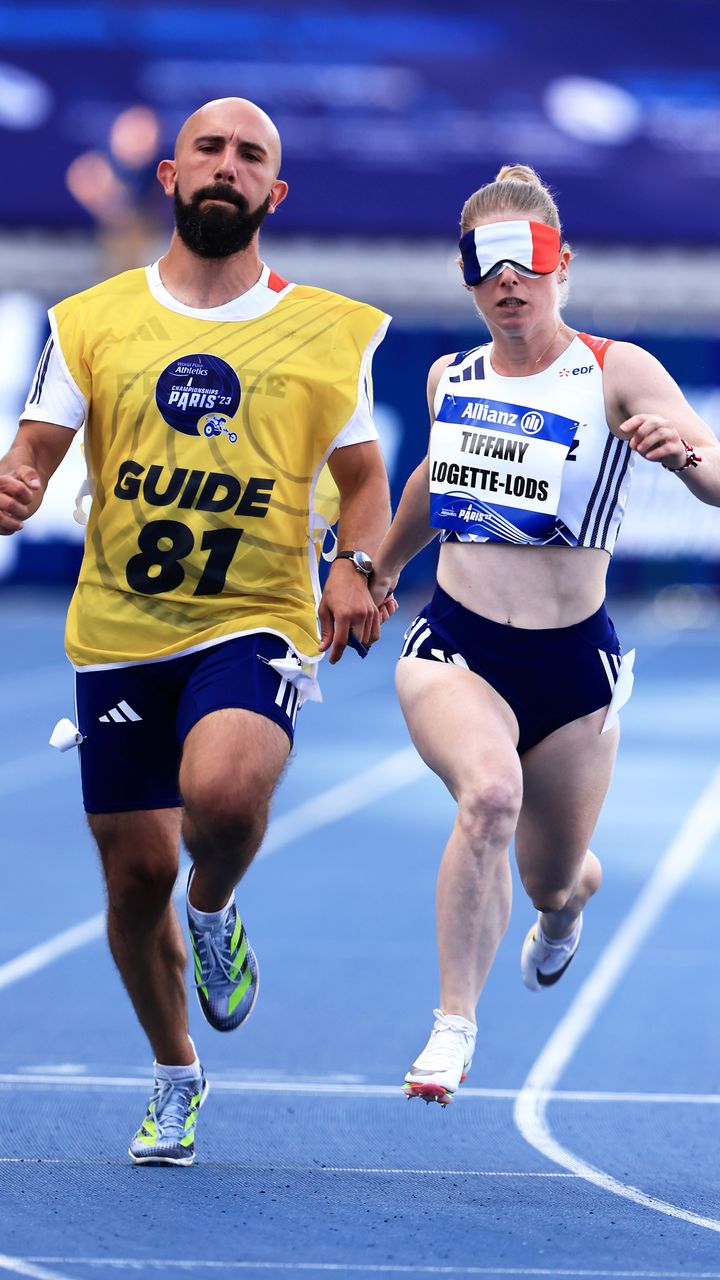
(381, 779)
(28, 1267)
(674, 869)
(305, 1169)
(554, 1273)
(324, 1088)
(45, 952)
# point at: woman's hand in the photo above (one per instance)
(382, 586)
(655, 438)
(387, 607)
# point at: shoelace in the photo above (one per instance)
(172, 1100)
(436, 1054)
(213, 947)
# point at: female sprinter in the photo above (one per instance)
(510, 679)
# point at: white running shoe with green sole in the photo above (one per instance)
(444, 1062)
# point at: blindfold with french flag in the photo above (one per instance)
(533, 247)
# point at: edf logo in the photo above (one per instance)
(532, 423)
(585, 368)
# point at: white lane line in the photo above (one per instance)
(442, 1173)
(671, 873)
(347, 797)
(324, 1088)
(337, 802)
(347, 1268)
(27, 1267)
(45, 952)
(681, 1099)
(305, 1169)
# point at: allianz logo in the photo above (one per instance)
(532, 422)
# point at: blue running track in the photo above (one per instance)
(585, 1141)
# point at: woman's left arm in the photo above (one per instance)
(646, 407)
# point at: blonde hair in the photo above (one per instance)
(516, 189)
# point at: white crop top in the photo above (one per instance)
(528, 460)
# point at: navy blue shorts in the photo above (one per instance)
(134, 719)
(548, 677)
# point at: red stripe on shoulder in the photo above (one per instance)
(599, 346)
(276, 282)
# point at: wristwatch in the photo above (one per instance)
(360, 559)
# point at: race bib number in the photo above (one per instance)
(496, 468)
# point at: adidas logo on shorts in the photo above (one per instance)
(120, 714)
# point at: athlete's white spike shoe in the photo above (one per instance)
(543, 961)
(445, 1060)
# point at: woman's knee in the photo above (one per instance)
(488, 811)
(546, 898)
(549, 888)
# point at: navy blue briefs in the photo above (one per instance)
(134, 719)
(548, 677)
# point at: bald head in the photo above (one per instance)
(232, 118)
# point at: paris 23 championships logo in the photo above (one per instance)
(199, 395)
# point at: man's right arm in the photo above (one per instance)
(36, 452)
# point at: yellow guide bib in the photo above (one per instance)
(206, 442)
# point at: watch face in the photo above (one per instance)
(362, 562)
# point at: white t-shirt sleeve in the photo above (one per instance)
(361, 427)
(54, 396)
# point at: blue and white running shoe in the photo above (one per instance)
(167, 1134)
(227, 979)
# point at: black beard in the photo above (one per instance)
(215, 231)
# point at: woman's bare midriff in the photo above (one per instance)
(530, 587)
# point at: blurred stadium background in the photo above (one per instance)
(390, 115)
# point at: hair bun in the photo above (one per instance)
(518, 173)
(517, 192)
